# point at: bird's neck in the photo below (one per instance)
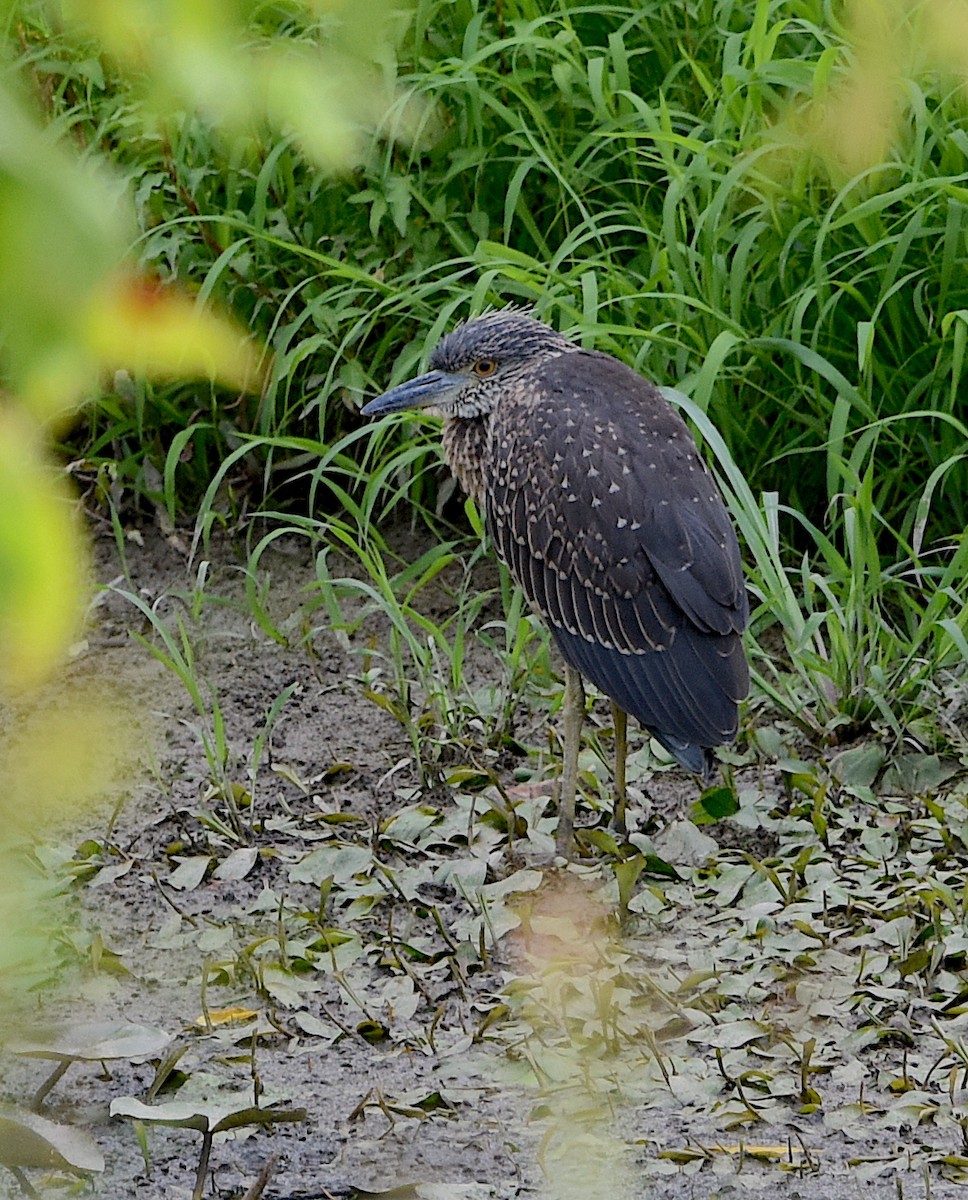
(465, 445)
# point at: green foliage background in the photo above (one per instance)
(628, 169)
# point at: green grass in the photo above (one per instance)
(621, 168)
(871, 638)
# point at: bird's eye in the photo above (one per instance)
(484, 367)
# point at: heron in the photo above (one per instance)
(597, 500)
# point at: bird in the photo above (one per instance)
(597, 500)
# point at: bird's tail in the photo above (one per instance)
(694, 758)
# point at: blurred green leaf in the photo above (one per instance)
(43, 559)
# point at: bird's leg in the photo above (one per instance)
(573, 713)
(620, 721)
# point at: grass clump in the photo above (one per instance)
(636, 174)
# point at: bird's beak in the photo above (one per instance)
(426, 391)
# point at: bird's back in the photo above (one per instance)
(601, 507)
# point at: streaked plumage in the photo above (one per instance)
(598, 502)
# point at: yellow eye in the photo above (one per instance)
(484, 367)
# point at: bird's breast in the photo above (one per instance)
(465, 443)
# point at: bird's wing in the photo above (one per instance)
(605, 514)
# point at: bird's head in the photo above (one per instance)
(471, 368)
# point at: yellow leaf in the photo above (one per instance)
(763, 1153)
(685, 1155)
(226, 1016)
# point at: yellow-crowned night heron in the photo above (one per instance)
(599, 504)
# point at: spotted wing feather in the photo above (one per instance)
(607, 518)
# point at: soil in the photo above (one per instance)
(424, 1101)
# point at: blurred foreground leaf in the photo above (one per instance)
(28, 918)
(156, 331)
(326, 76)
(71, 312)
(64, 227)
(71, 309)
(42, 560)
(855, 120)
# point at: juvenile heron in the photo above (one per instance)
(600, 506)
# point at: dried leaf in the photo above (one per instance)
(238, 864)
(189, 873)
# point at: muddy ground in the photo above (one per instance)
(489, 1050)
